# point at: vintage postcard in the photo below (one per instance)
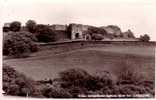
(78, 49)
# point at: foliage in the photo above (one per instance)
(130, 34)
(71, 83)
(44, 33)
(97, 37)
(19, 44)
(76, 77)
(78, 81)
(73, 74)
(54, 92)
(31, 26)
(95, 30)
(132, 89)
(128, 74)
(15, 26)
(96, 33)
(6, 29)
(15, 83)
(144, 38)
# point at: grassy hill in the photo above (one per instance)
(47, 64)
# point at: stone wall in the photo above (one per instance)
(60, 47)
(61, 35)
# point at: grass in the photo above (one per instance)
(47, 64)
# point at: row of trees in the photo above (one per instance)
(15, 26)
(42, 32)
(19, 42)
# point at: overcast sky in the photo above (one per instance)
(137, 15)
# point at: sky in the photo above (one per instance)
(137, 15)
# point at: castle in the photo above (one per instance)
(75, 31)
(79, 32)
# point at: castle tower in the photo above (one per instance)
(77, 31)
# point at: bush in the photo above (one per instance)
(17, 84)
(75, 91)
(105, 78)
(76, 77)
(96, 30)
(73, 74)
(97, 37)
(144, 38)
(45, 34)
(128, 73)
(72, 83)
(54, 92)
(19, 44)
(132, 89)
(78, 81)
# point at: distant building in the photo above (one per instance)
(78, 31)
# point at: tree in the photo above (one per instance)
(17, 84)
(19, 44)
(15, 26)
(31, 26)
(45, 34)
(144, 38)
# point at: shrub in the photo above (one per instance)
(19, 44)
(144, 38)
(45, 34)
(54, 92)
(105, 78)
(73, 74)
(76, 77)
(17, 84)
(132, 89)
(96, 30)
(78, 81)
(75, 91)
(97, 37)
(128, 73)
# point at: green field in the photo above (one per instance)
(46, 64)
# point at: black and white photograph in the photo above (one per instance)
(80, 49)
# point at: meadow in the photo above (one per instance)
(47, 64)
